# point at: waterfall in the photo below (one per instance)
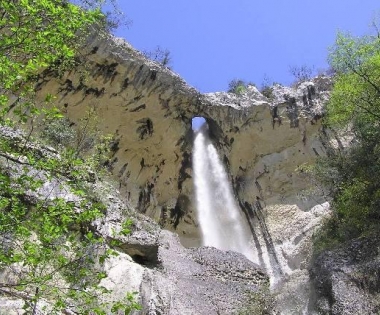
(222, 224)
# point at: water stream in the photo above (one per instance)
(222, 224)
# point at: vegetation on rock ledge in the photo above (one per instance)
(50, 255)
(351, 171)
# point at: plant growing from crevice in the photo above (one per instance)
(237, 86)
(160, 55)
(267, 88)
(301, 73)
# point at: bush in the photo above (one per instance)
(59, 132)
(237, 86)
(267, 91)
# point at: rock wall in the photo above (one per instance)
(264, 143)
(168, 278)
(148, 110)
(346, 279)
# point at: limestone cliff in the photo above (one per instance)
(168, 278)
(149, 109)
(264, 142)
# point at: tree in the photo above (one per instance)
(48, 248)
(35, 34)
(357, 85)
(352, 173)
(160, 55)
(301, 73)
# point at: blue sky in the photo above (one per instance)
(212, 42)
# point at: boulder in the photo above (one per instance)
(346, 279)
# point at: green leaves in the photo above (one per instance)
(125, 227)
(46, 241)
(352, 173)
(52, 238)
(37, 34)
(356, 92)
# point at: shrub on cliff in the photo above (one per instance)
(159, 55)
(237, 86)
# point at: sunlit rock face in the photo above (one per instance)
(148, 109)
(263, 142)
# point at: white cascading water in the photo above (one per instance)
(222, 224)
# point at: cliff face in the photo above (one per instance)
(264, 143)
(168, 278)
(149, 110)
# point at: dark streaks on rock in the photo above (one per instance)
(144, 197)
(107, 71)
(185, 165)
(94, 91)
(180, 209)
(138, 108)
(122, 170)
(292, 111)
(145, 128)
(153, 75)
(125, 84)
(94, 50)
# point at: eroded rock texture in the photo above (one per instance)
(168, 278)
(263, 142)
(347, 279)
(171, 279)
(149, 110)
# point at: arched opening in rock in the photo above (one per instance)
(197, 123)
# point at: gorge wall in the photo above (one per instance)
(263, 142)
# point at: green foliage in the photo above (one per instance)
(59, 132)
(351, 174)
(356, 93)
(48, 248)
(35, 34)
(267, 87)
(237, 87)
(38, 33)
(82, 139)
(48, 244)
(125, 227)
